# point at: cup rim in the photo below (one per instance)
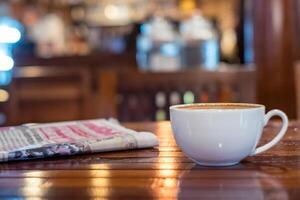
(252, 106)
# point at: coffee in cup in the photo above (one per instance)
(222, 134)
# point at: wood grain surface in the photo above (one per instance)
(160, 173)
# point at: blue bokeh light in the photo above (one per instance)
(10, 34)
(170, 49)
(5, 78)
(211, 54)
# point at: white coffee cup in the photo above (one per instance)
(222, 134)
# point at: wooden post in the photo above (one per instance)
(274, 47)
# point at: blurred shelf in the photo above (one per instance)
(99, 60)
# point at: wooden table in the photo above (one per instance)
(162, 173)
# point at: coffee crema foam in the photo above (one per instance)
(218, 106)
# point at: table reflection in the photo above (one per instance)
(33, 187)
(228, 183)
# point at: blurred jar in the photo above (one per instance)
(158, 46)
(200, 46)
(47, 30)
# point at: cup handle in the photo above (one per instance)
(281, 133)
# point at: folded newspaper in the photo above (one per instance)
(69, 138)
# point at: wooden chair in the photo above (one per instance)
(139, 96)
(43, 94)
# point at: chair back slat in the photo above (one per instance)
(52, 93)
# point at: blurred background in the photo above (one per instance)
(132, 59)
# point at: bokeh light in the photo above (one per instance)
(4, 95)
(9, 34)
(6, 62)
